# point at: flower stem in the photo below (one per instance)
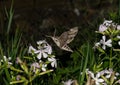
(110, 59)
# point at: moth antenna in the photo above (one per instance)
(54, 33)
(48, 36)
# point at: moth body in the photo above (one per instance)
(56, 40)
(65, 38)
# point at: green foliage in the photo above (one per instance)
(74, 68)
(80, 60)
(9, 15)
(11, 46)
(87, 60)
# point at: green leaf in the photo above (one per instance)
(42, 73)
(22, 80)
(16, 82)
(28, 57)
(24, 67)
(14, 69)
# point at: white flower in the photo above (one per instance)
(96, 78)
(44, 67)
(49, 49)
(102, 72)
(53, 62)
(41, 42)
(105, 25)
(118, 37)
(114, 25)
(102, 28)
(107, 22)
(41, 53)
(35, 66)
(7, 60)
(18, 77)
(43, 49)
(118, 27)
(31, 49)
(69, 82)
(105, 43)
(44, 52)
(118, 41)
(96, 45)
(110, 72)
(118, 81)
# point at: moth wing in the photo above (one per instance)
(67, 48)
(63, 38)
(74, 29)
(71, 34)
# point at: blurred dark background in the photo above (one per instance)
(37, 18)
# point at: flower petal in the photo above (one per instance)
(45, 55)
(102, 28)
(97, 44)
(107, 22)
(53, 62)
(48, 49)
(108, 76)
(119, 43)
(118, 37)
(100, 80)
(104, 47)
(118, 27)
(69, 82)
(31, 49)
(103, 37)
(41, 41)
(91, 74)
(108, 43)
(39, 56)
(98, 75)
(44, 67)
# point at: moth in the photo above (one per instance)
(65, 38)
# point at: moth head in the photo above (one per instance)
(55, 39)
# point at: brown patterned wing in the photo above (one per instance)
(67, 48)
(71, 34)
(63, 38)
